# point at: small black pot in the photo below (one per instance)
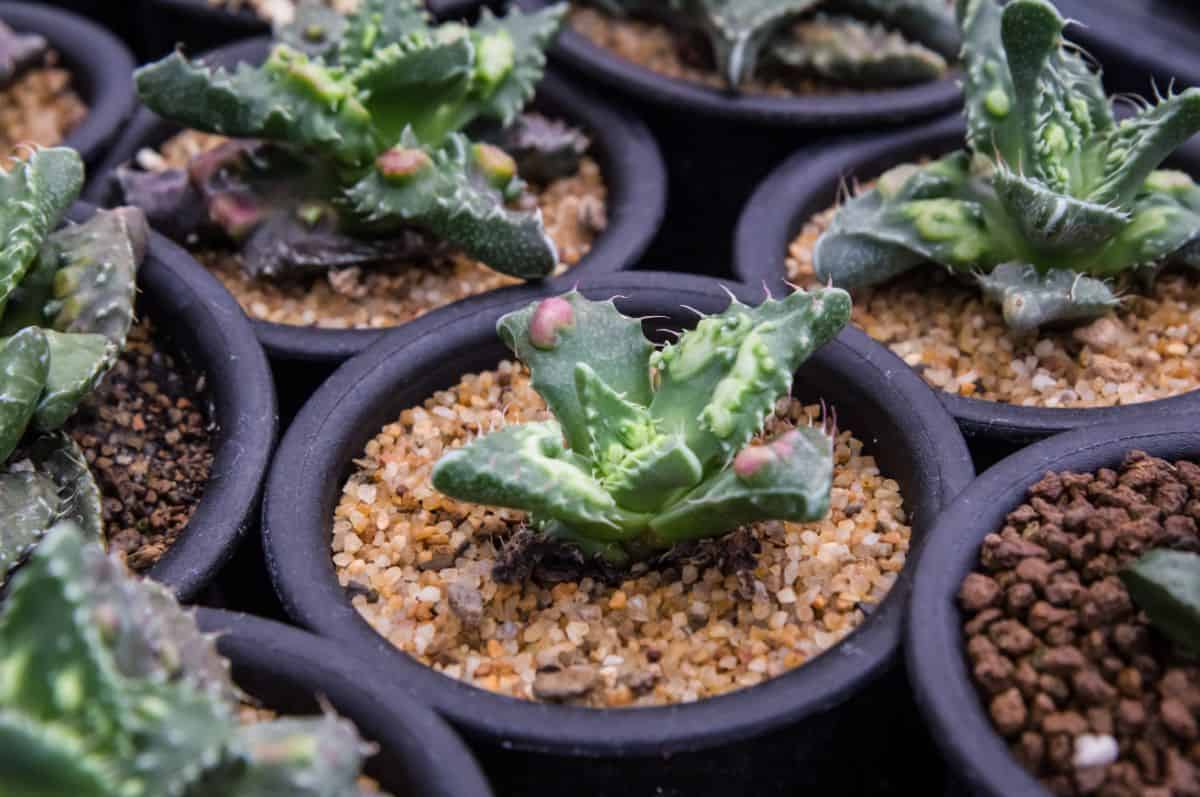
(809, 182)
(199, 27)
(934, 640)
(617, 752)
(100, 65)
(720, 144)
(1141, 42)
(290, 671)
(196, 319)
(628, 157)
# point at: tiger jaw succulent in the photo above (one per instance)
(360, 119)
(67, 305)
(1055, 196)
(866, 42)
(651, 447)
(108, 689)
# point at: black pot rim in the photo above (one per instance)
(101, 70)
(306, 477)
(435, 760)
(629, 159)
(858, 109)
(240, 386)
(808, 182)
(933, 636)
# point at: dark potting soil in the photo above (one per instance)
(1089, 697)
(149, 442)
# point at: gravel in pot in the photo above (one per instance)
(1034, 662)
(180, 432)
(618, 187)
(1002, 381)
(308, 537)
(72, 87)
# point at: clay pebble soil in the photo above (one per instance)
(1088, 696)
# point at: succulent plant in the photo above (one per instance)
(108, 689)
(19, 52)
(67, 306)
(357, 127)
(1054, 197)
(1165, 584)
(872, 42)
(651, 447)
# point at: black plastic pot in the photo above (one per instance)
(809, 182)
(934, 640)
(1139, 41)
(198, 26)
(660, 751)
(628, 157)
(100, 67)
(117, 17)
(290, 671)
(719, 145)
(197, 320)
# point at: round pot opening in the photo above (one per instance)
(885, 406)
(934, 639)
(810, 183)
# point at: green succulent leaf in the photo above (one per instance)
(299, 757)
(611, 344)
(512, 58)
(60, 458)
(316, 29)
(849, 51)
(923, 22)
(1165, 584)
(1030, 299)
(78, 363)
(24, 367)
(30, 503)
(790, 479)
(451, 197)
(528, 467)
(378, 23)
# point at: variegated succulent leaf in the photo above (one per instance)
(376, 24)
(527, 467)
(787, 478)
(34, 196)
(645, 435)
(1056, 190)
(108, 688)
(846, 50)
(553, 336)
(458, 192)
(718, 383)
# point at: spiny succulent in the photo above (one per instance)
(108, 689)
(864, 42)
(66, 306)
(1054, 196)
(651, 447)
(355, 126)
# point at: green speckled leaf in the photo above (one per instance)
(77, 364)
(29, 504)
(1030, 299)
(60, 458)
(24, 367)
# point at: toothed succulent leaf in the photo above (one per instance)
(108, 689)
(450, 193)
(789, 478)
(77, 364)
(1056, 196)
(848, 51)
(640, 455)
(1165, 584)
(29, 501)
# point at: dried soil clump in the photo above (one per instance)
(1088, 696)
(573, 208)
(40, 107)
(149, 444)
(706, 620)
(1146, 350)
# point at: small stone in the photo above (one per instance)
(560, 685)
(466, 602)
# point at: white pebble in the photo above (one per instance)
(1094, 751)
(429, 595)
